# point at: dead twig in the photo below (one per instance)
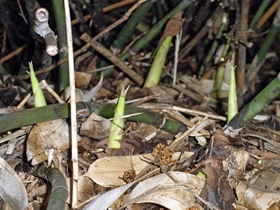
(118, 22)
(114, 59)
(74, 141)
(242, 22)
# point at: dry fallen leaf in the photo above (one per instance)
(108, 170)
(47, 137)
(217, 189)
(12, 189)
(254, 197)
(82, 79)
(236, 162)
(173, 26)
(95, 127)
(104, 201)
(264, 188)
(163, 191)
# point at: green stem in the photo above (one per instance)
(273, 32)
(154, 75)
(267, 95)
(232, 95)
(62, 43)
(117, 126)
(61, 111)
(220, 71)
(259, 13)
(59, 192)
(154, 30)
(131, 24)
(147, 38)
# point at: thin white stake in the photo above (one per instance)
(176, 53)
(74, 142)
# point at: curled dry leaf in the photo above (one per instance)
(173, 26)
(165, 192)
(95, 127)
(104, 201)
(85, 96)
(202, 124)
(46, 136)
(12, 189)
(82, 79)
(66, 94)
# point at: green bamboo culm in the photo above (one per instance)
(220, 71)
(266, 96)
(147, 38)
(264, 4)
(272, 33)
(131, 25)
(154, 75)
(232, 94)
(117, 126)
(39, 97)
(62, 111)
(127, 32)
(63, 78)
(59, 192)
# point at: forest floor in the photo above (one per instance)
(177, 149)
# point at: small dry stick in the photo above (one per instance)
(268, 14)
(114, 59)
(21, 12)
(107, 9)
(45, 85)
(12, 54)
(74, 143)
(185, 110)
(24, 100)
(176, 55)
(118, 22)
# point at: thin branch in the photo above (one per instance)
(114, 59)
(74, 143)
(118, 22)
